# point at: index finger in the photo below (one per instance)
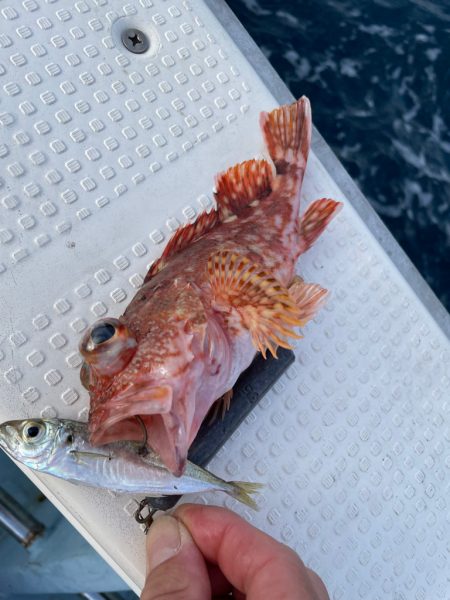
(252, 561)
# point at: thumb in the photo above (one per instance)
(175, 567)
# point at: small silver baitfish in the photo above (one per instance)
(61, 448)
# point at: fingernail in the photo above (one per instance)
(164, 541)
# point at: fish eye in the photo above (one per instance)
(33, 432)
(107, 347)
(102, 333)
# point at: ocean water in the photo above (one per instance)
(378, 76)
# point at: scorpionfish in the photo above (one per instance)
(223, 289)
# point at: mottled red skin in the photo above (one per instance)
(184, 339)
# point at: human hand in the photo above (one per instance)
(204, 552)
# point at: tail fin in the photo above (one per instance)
(287, 133)
(316, 219)
(241, 490)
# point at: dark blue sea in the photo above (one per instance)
(378, 76)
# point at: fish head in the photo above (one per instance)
(151, 396)
(30, 441)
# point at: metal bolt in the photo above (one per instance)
(135, 41)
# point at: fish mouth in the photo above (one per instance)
(168, 437)
(3, 440)
(8, 435)
(117, 420)
(147, 416)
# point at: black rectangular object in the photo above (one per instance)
(252, 385)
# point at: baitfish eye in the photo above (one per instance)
(107, 347)
(33, 432)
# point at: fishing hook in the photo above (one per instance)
(144, 430)
(147, 520)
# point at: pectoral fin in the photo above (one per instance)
(221, 405)
(265, 306)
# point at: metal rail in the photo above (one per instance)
(16, 521)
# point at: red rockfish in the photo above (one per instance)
(223, 289)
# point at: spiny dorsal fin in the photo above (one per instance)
(266, 308)
(287, 132)
(182, 238)
(241, 185)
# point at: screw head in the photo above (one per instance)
(135, 40)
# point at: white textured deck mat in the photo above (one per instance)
(103, 154)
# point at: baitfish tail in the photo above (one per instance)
(287, 133)
(242, 490)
